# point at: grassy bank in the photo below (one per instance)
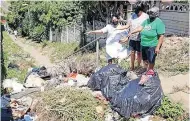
(172, 60)
(14, 55)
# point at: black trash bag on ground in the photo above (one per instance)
(127, 97)
(137, 99)
(109, 80)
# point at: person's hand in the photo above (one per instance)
(90, 32)
(128, 35)
(157, 50)
(123, 40)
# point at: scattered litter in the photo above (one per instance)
(13, 84)
(146, 118)
(12, 66)
(81, 80)
(30, 117)
(131, 75)
(40, 72)
(109, 117)
(72, 82)
(20, 106)
(34, 81)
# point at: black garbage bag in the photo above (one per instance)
(137, 99)
(127, 97)
(109, 80)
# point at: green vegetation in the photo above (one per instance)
(57, 51)
(68, 104)
(171, 111)
(14, 54)
(35, 18)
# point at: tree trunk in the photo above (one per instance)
(83, 30)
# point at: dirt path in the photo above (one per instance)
(177, 88)
(41, 60)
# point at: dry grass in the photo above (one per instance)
(68, 104)
(174, 56)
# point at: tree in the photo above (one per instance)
(36, 17)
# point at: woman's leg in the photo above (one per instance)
(145, 57)
(132, 45)
(139, 54)
(139, 58)
(145, 64)
(132, 59)
(151, 57)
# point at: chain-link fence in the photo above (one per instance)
(69, 33)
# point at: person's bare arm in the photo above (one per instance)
(123, 27)
(95, 32)
(160, 41)
(138, 29)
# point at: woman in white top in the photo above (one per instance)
(133, 23)
(114, 48)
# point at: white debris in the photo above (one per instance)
(146, 118)
(81, 80)
(72, 82)
(13, 84)
(109, 117)
(131, 75)
(34, 81)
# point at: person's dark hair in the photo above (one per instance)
(116, 15)
(139, 6)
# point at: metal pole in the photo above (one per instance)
(97, 46)
(84, 47)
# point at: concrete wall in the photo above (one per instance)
(176, 18)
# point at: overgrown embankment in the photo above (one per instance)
(16, 60)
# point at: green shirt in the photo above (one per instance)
(150, 32)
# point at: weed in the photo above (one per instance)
(170, 111)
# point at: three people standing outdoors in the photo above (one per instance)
(146, 36)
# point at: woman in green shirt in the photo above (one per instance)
(152, 34)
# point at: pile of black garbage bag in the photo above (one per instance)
(127, 97)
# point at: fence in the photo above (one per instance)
(67, 34)
(73, 33)
(176, 18)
